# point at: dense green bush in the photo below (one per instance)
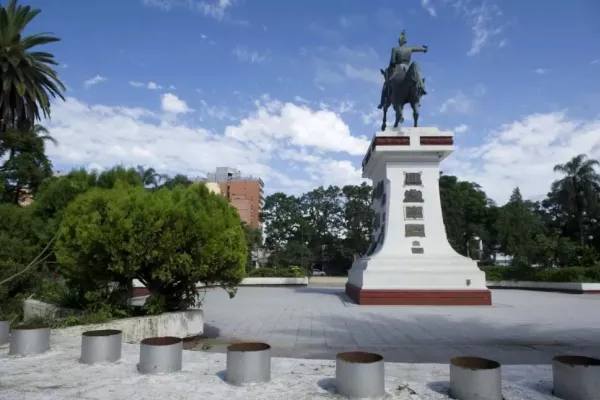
(170, 240)
(291, 272)
(18, 248)
(570, 274)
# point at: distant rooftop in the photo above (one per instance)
(225, 174)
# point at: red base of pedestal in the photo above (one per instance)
(370, 297)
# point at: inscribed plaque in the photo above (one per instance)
(413, 212)
(418, 250)
(417, 230)
(413, 196)
(412, 179)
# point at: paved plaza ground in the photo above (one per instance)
(522, 327)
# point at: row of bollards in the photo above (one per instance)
(357, 375)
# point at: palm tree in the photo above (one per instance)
(13, 142)
(149, 176)
(27, 77)
(27, 164)
(578, 190)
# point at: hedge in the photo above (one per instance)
(291, 272)
(570, 274)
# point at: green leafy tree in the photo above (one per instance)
(465, 211)
(170, 240)
(518, 226)
(253, 238)
(282, 218)
(322, 223)
(27, 164)
(357, 220)
(177, 180)
(18, 248)
(577, 193)
(56, 193)
(108, 179)
(28, 79)
(149, 176)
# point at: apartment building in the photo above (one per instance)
(245, 193)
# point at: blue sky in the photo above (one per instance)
(287, 90)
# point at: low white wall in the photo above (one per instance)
(253, 282)
(328, 280)
(273, 281)
(566, 286)
(179, 324)
(39, 309)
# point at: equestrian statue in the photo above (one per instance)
(403, 83)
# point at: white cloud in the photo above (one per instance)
(485, 21)
(365, 74)
(427, 6)
(459, 103)
(461, 128)
(215, 9)
(88, 83)
(480, 90)
(337, 66)
(212, 8)
(150, 85)
(300, 99)
(541, 71)
(252, 57)
(107, 135)
(347, 21)
(163, 4)
(299, 126)
(373, 117)
(296, 148)
(173, 104)
(596, 61)
(523, 153)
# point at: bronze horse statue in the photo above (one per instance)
(404, 83)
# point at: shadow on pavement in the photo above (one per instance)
(326, 291)
(437, 339)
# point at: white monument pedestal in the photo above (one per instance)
(410, 261)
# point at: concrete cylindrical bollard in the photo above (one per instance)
(161, 355)
(248, 362)
(576, 377)
(29, 339)
(4, 331)
(359, 374)
(100, 346)
(473, 378)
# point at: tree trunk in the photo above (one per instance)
(581, 235)
(17, 194)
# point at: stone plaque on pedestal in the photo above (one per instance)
(413, 212)
(412, 179)
(414, 230)
(413, 196)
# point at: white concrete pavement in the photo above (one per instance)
(522, 327)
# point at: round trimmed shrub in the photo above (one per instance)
(170, 240)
